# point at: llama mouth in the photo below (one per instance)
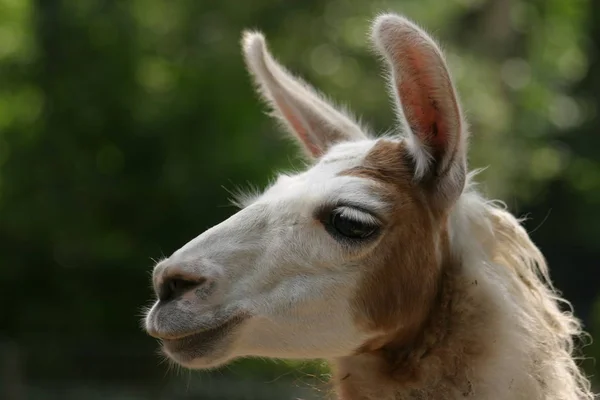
(195, 345)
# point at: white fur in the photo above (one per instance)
(530, 338)
(274, 261)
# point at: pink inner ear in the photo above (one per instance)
(299, 128)
(418, 94)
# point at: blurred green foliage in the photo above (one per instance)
(123, 124)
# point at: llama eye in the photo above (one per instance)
(352, 224)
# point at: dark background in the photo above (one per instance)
(123, 124)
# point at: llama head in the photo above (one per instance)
(333, 260)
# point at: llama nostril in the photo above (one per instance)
(174, 287)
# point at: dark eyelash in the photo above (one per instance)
(348, 230)
(326, 209)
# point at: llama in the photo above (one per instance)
(381, 257)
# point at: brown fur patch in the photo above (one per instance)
(441, 360)
(404, 280)
(404, 298)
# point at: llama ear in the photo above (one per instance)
(315, 122)
(427, 104)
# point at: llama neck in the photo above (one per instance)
(449, 359)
